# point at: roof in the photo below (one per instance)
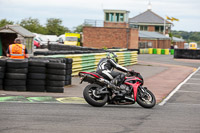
(148, 17)
(117, 11)
(16, 29)
(175, 39)
(152, 35)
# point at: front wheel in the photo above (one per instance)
(92, 98)
(146, 99)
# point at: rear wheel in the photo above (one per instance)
(92, 98)
(146, 98)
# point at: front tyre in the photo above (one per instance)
(146, 99)
(92, 98)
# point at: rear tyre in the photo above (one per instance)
(148, 100)
(93, 99)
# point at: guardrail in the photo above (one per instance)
(157, 51)
(88, 62)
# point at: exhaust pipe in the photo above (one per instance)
(130, 99)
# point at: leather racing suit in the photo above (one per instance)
(105, 68)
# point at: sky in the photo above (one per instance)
(74, 12)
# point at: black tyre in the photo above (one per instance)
(69, 61)
(15, 70)
(35, 69)
(148, 100)
(55, 77)
(15, 88)
(68, 77)
(55, 83)
(2, 69)
(39, 63)
(1, 75)
(56, 71)
(67, 82)
(1, 81)
(36, 82)
(69, 66)
(36, 76)
(34, 88)
(68, 71)
(1, 87)
(15, 76)
(2, 62)
(17, 63)
(93, 99)
(12, 82)
(54, 65)
(55, 89)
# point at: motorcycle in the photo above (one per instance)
(100, 91)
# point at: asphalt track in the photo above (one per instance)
(174, 82)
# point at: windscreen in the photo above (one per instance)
(71, 39)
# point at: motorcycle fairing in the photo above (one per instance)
(92, 73)
(134, 85)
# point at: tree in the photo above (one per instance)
(79, 28)
(33, 25)
(4, 22)
(54, 27)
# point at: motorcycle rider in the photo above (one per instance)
(105, 68)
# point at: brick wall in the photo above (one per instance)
(151, 28)
(179, 44)
(134, 38)
(116, 25)
(99, 37)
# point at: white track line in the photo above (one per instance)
(177, 88)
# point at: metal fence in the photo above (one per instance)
(93, 23)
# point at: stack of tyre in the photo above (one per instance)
(56, 70)
(16, 75)
(68, 77)
(2, 72)
(37, 75)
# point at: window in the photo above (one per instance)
(111, 17)
(71, 38)
(117, 17)
(159, 28)
(107, 16)
(121, 17)
(114, 17)
(143, 28)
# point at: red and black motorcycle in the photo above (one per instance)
(100, 91)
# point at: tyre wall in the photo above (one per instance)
(88, 62)
(187, 53)
(35, 74)
(157, 51)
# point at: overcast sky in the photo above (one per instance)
(74, 12)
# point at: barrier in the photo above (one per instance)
(172, 51)
(35, 74)
(154, 51)
(158, 51)
(150, 50)
(88, 62)
(144, 51)
(187, 53)
(162, 51)
(166, 51)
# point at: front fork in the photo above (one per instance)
(142, 91)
